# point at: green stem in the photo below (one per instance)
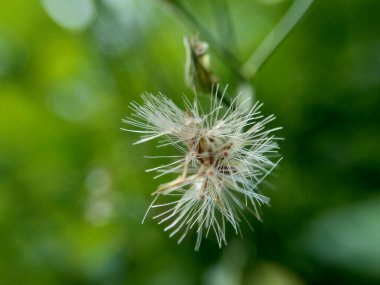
(225, 27)
(221, 51)
(225, 99)
(275, 37)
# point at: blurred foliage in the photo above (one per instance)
(72, 188)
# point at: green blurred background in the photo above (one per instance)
(73, 189)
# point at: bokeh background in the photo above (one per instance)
(73, 189)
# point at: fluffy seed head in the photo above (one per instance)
(224, 155)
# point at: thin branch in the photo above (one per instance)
(275, 37)
(220, 50)
(226, 31)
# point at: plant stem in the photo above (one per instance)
(225, 27)
(221, 51)
(275, 37)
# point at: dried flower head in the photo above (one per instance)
(198, 73)
(224, 155)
